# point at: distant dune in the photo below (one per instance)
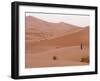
(37, 29)
(55, 44)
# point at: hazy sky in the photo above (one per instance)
(78, 20)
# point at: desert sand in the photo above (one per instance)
(55, 44)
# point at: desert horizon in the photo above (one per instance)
(49, 44)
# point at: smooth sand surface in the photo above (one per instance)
(64, 56)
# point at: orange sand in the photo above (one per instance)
(46, 40)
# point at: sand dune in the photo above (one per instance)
(55, 44)
(75, 38)
(38, 29)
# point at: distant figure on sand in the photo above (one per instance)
(81, 46)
